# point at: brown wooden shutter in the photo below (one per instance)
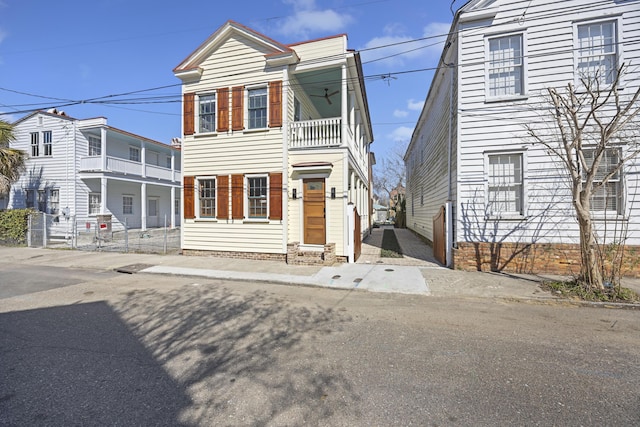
(223, 109)
(188, 105)
(237, 108)
(237, 196)
(189, 202)
(223, 197)
(275, 104)
(275, 196)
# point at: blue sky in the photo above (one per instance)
(70, 50)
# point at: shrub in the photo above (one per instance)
(13, 226)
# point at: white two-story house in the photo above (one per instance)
(77, 170)
(478, 186)
(275, 148)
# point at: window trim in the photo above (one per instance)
(54, 201)
(524, 67)
(619, 44)
(198, 212)
(47, 145)
(523, 192)
(247, 120)
(89, 211)
(35, 137)
(621, 193)
(247, 210)
(137, 149)
(123, 204)
(214, 113)
(91, 146)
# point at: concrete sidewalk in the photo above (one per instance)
(421, 277)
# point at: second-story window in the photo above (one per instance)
(505, 66)
(35, 144)
(134, 154)
(95, 146)
(597, 51)
(257, 108)
(47, 143)
(207, 114)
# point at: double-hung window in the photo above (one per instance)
(47, 142)
(608, 197)
(257, 197)
(207, 198)
(505, 66)
(257, 108)
(134, 154)
(207, 113)
(54, 201)
(127, 205)
(94, 203)
(35, 144)
(42, 200)
(597, 51)
(505, 189)
(95, 146)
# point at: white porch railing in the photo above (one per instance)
(119, 165)
(91, 163)
(158, 172)
(316, 133)
(128, 167)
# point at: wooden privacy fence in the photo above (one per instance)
(357, 236)
(439, 236)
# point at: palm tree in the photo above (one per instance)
(11, 160)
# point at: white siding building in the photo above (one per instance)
(275, 148)
(508, 201)
(78, 169)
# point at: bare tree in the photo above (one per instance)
(390, 174)
(11, 160)
(594, 135)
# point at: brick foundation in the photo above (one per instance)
(563, 259)
(328, 256)
(237, 255)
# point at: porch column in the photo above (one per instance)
(173, 203)
(103, 195)
(143, 206)
(173, 166)
(344, 107)
(143, 158)
(103, 148)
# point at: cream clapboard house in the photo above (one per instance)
(275, 151)
(78, 169)
(476, 186)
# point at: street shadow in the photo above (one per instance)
(253, 359)
(80, 365)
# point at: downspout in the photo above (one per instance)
(285, 158)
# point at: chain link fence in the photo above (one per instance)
(100, 234)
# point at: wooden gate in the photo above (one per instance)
(439, 236)
(357, 236)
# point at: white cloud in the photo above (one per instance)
(400, 49)
(400, 113)
(9, 118)
(401, 134)
(307, 19)
(415, 105)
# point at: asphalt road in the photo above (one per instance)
(155, 350)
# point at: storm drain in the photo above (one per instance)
(132, 268)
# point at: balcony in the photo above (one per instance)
(126, 167)
(320, 133)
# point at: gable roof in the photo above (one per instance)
(193, 61)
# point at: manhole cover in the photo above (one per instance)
(388, 269)
(132, 268)
(358, 280)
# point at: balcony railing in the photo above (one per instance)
(316, 133)
(128, 167)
